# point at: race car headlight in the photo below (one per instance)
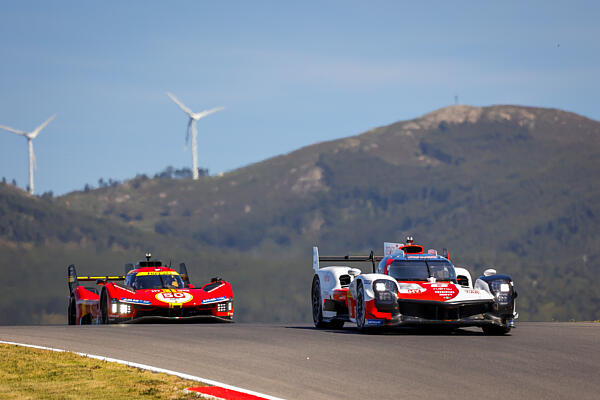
(224, 306)
(124, 308)
(385, 286)
(501, 289)
(385, 290)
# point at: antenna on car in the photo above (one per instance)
(409, 240)
(372, 258)
(148, 256)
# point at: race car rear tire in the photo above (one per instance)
(104, 304)
(360, 307)
(495, 330)
(72, 313)
(317, 308)
(317, 304)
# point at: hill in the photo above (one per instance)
(504, 186)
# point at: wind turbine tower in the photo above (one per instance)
(192, 129)
(30, 136)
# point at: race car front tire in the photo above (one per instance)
(360, 311)
(104, 304)
(72, 313)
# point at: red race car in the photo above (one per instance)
(149, 292)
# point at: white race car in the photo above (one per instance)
(409, 286)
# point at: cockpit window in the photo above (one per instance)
(420, 270)
(157, 282)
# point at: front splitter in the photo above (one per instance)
(199, 319)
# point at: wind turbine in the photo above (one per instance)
(30, 136)
(192, 128)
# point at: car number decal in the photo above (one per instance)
(174, 297)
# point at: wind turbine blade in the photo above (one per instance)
(180, 104)
(39, 128)
(208, 112)
(18, 132)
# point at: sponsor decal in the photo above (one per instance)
(471, 291)
(391, 248)
(136, 301)
(411, 291)
(214, 300)
(173, 297)
(156, 273)
(374, 322)
(444, 290)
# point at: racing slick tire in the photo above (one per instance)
(494, 330)
(317, 304)
(317, 308)
(104, 304)
(72, 313)
(360, 312)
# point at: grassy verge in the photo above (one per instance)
(27, 373)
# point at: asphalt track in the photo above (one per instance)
(295, 361)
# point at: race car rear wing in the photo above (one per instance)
(347, 258)
(73, 279)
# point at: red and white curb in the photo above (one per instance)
(217, 390)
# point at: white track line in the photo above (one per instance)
(149, 368)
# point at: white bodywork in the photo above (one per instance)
(330, 285)
(329, 278)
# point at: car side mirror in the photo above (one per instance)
(462, 280)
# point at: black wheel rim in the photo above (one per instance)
(316, 303)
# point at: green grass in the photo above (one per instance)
(27, 373)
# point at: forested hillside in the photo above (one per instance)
(504, 186)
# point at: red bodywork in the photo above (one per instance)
(114, 302)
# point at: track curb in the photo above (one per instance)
(152, 369)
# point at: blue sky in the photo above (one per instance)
(289, 74)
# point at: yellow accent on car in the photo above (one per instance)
(94, 278)
(157, 273)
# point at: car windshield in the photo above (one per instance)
(157, 282)
(420, 270)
